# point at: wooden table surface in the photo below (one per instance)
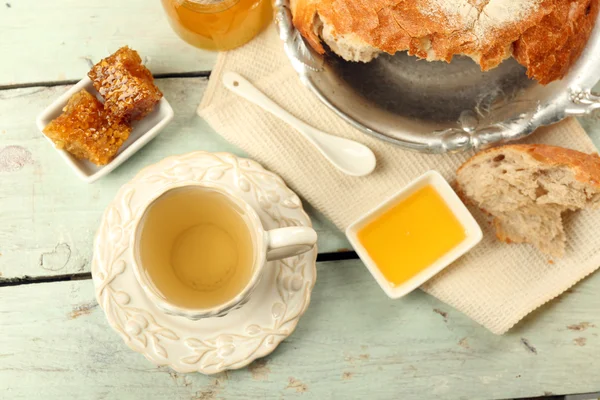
(353, 342)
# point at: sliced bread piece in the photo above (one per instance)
(527, 188)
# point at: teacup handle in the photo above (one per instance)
(288, 242)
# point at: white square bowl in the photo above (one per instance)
(143, 131)
(472, 230)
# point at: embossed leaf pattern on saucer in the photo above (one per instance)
(215, 352)
(112, 242)
(207, 346)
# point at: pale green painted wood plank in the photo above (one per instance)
(353, 342)
(53, 40)
(48, 217)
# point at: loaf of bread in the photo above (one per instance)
(546, 36)
(528, 188)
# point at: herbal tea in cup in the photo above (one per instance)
(200, 250)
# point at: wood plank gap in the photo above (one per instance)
(549, 397)
(27, 280)
(539, 398)
(38, 84)
(193, 74)
(167, 75)
(337, 256)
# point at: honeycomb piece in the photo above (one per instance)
(126, 85)
(84, 130)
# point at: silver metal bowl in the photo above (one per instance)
(435, 107)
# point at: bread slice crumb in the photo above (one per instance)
(528, 188)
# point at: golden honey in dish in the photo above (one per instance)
(218, 24)
(196, 247)
(411, 235)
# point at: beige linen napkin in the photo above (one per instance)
(495, 284)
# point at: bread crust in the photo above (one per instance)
(585, 166)
(550, 48)
(547, 40)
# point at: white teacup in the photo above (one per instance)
(200, 250)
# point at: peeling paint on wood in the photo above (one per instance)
(442, 313)
(259, 369)
(83, 309)
(295, 384)
(14, 158)
(582, 326)
(56, 259)
(213, 390)
(208, 394)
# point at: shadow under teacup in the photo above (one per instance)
(200, 250)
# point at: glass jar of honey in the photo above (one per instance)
(218, 24)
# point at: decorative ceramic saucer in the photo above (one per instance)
(207, 345)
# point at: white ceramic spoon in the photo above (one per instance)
(348, 156)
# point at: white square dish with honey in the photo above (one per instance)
(414, 235)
